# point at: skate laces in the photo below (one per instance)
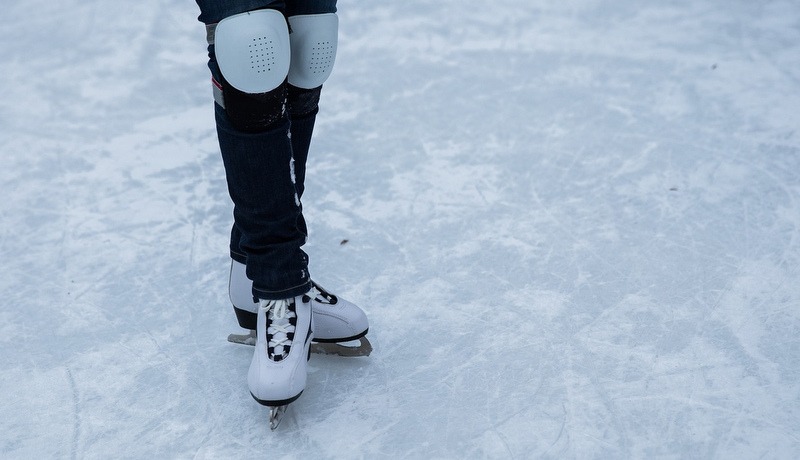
(281, 322)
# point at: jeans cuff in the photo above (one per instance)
(284, 293)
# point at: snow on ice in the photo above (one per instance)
(574, 226)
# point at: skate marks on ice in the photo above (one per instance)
(663, 323)
(636, 244)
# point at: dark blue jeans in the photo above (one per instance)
(213, 11)
(265, 172)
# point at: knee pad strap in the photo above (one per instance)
(253, 113)
(303, 101)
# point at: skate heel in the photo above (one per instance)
(246, 319)
(276, 402)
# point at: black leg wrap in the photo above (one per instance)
(254, 113)
(303, 101)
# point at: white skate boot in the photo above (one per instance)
(278, 371)
(335, 319)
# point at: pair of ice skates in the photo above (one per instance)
(282, 332)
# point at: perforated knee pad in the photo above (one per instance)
(253, 55)
(253, 50)
(314, 40)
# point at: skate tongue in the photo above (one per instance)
(279, 309)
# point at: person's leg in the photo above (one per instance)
(255, 141)
(303, 105)
(303, 101)
(249, 58)
(249, 148)
(315, 17)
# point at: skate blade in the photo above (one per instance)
(244, 339)
(276, 414)
(361, 347)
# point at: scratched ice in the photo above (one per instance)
(574, 225)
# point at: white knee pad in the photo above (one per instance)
(252, 50)
(314, 39)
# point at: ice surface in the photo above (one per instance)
(574, 226)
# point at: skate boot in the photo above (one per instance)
(335, 319)
(278, 371)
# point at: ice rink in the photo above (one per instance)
(575, 227)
